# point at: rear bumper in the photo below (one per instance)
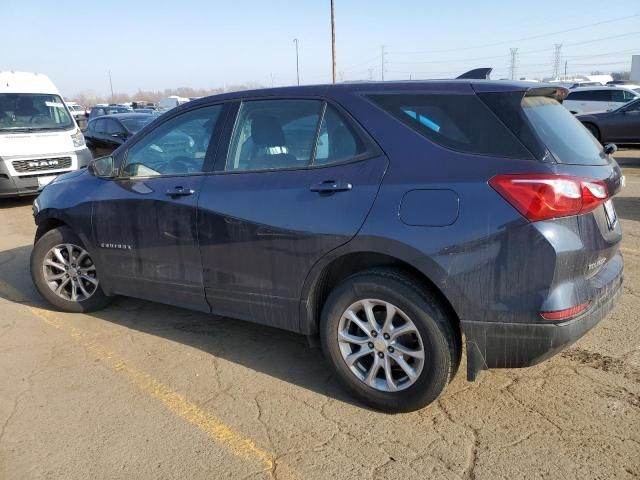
(516, 345)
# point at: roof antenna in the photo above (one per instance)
(476, 74)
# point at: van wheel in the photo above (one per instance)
(390, 342)
(64, 272)
(593, 130)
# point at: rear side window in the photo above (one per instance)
(337, 141)
(458, 122)
(561, 132)
(273, 134)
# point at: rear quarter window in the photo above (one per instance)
(561, 132)
(459, 122)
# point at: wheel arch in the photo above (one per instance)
(340, 266)
(47, 225)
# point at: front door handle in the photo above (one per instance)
(180, 192)
(331, 186)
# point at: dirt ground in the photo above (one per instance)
(146, 391)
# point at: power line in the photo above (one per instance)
(533, 37)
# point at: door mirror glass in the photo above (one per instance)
(102, 167)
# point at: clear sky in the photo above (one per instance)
(153, 45)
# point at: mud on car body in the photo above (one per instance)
(389, 218)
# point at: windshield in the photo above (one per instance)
(135, 124)
(27, 112)
(561, 132)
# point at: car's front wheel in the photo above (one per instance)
(389, 340)
(65, 274)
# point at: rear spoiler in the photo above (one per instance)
(476, 74)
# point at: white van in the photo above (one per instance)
(171, 102)
(39, 138)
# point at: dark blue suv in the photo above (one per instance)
(389, 218)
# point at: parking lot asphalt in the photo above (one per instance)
(141, 390)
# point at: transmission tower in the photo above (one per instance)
(383, 61)
(557, 60)
(512, 63)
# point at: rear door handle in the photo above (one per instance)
(180, 192)
(331, 186)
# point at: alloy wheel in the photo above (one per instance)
(380, 345)
(70, 272)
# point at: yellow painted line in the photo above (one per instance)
(174, 402)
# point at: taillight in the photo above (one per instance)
(566, 313)
(545, 196)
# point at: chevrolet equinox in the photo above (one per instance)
(391, 219)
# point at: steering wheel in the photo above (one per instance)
(184, 164)
(39, 119)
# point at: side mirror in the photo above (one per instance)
(103, 167)
(610, 148)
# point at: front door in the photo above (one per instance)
(297, 182)
(145, 224)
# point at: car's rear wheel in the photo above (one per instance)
(593, 130)
(390, 342)
(65, 274)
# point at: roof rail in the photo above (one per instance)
(476, 74)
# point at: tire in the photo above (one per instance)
(40, 253)
(593, 130)
(439, 338)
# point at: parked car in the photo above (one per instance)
(39, 138)
(101, 110)
(79, 114)
(620, 126)
(598, 99)
(104, 134)
(389, 218)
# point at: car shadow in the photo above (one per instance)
(627, 208)
(274, 352)
(14, 202)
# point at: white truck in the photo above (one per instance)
(171, 102)
(39, 138)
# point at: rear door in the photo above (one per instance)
(145, 223)
(298, 180)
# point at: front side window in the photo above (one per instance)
(458, 122)
(176, 147)
(622, 96)
(113, 127)
(100, 126)
(33, 112)
(272, 134)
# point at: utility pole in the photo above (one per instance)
(295, 40)
(565, 69)
(111, 85)
(341, 74)
(382, 62)
(556, 60)
(512, 64)
(333, 44)
(371, 74)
